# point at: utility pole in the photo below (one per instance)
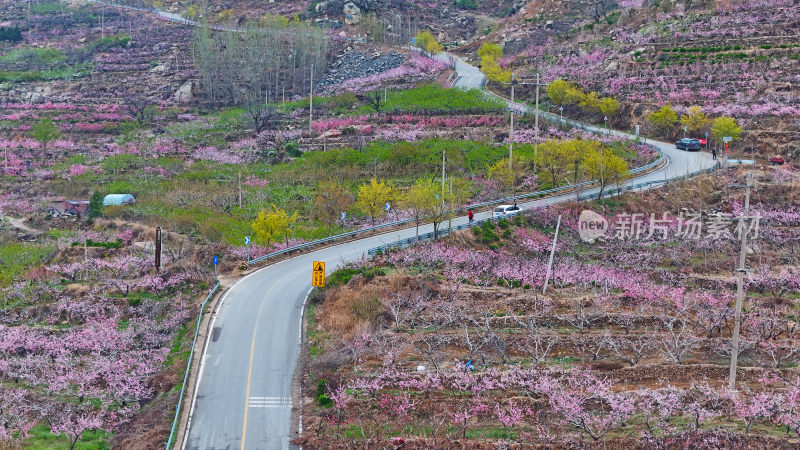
(511, 130)
(450, 217)
(552, 253)
(739, 288)
(311, 100)
(240, 189)
(536, 122)
(443, 170)
(158, 249)
(85, 259)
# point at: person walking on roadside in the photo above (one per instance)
(714, 153)
(470, 215)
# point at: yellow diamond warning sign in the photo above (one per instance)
(318, 274)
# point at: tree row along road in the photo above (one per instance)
(244, 397)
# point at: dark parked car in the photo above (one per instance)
(688, 144)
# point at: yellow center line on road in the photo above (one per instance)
(250, 366)
(249, 375)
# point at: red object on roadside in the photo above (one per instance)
(703, 142)
(777, 160)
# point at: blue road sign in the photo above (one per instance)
(215, 260)
(388, 206)
(344, 214)
(247, 240)
(706, 134)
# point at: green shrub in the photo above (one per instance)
(342, 276)
(467, 4)
(10, 34)
(106, 43)
(293, 149)
(343, 102)
(322, 394)
(91, 243)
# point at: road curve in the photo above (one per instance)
(243, 398)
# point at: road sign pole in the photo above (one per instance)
(318, 274)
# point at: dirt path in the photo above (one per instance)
(20, 225)
(482, 17)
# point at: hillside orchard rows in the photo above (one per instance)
(630, 343)
(100, 100)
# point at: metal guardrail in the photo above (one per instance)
(402, 243)
(330, 239)
(590, 128)
(427, 236)
(189, 365)
(651, 184)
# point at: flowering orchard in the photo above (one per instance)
(452, 343)
(88, 342)
(734, 59)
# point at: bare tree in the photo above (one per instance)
(632, 349)
(137, 105)
(710, 317)
(678, 339)
(404, 306)
(431, 344)
(262, 116)
(489, 334)
(263, 60)
(583, 316)
(536, 344)
(780, 352)
(357, 345)
(390, 347)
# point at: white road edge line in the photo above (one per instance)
(300, 335)
(205, 350)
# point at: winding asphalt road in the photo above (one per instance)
(243, 398)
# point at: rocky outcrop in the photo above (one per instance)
(352, 14)
(357, 64)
